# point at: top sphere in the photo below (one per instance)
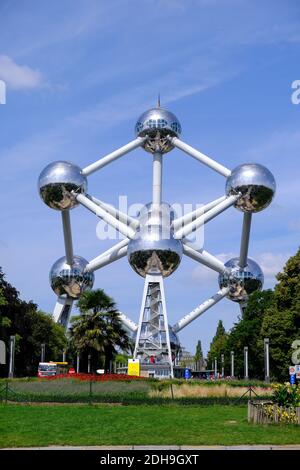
(157, 124)
(256, 184)
(56, 183)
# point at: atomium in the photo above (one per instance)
(155, 241)
(255, 183)
(70, 281)
(160, 337)
(158, 124)
(241, 281)
(154, 250)
(57, 182)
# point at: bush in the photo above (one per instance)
(286, 394)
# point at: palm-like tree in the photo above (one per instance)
(98, 330)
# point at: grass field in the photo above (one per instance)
(44, 425)
(132, 392)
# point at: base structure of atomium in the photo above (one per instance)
(156, 240)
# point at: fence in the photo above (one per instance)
(71, 390)
(266, 412)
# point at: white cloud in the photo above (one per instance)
(272, 264)
(18, 76)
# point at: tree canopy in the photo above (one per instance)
(31, 327)
(273, 314)
(98, 331)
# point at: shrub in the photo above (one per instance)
(286, 394)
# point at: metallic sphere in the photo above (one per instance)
(256, 184)
(56, 183)
(158, 124)
(154, 250)
(242, 281)
(68, 280)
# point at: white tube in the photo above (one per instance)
(125, 218)
(113, 156)
(200, 157)
(157, 178)
(65, 216)
(62, 310)
(245, 239)
(204, 258)
(201, 309)
(129, 324)
(202, 219)
(107, 258)
(109, 219)
(187, 218)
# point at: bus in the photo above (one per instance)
(49, 369)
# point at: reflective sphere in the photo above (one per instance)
(68, 280)
(56, 183)
(256, 184)
(154, 250)
(242, 282)
(158, 123)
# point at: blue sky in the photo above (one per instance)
(79, 73)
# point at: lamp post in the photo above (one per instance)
(12, 345)
(267, 359)
(43, 351)
(232, 363)
(222, 362)
(246, 373)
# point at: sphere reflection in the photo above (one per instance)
(157, 124)
(56, 183)
(242, 281)
(256, 185)
(68, 280)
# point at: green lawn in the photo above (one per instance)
(43, 425)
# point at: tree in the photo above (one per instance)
(30, 327)
(38, 328)
(98, 330)
(269, 314)
(199, 359)
(247, 332)
(218, 344)
(281, 323)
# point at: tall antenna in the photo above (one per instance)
(158, 100)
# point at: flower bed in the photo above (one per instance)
(266, 413)
(284, 407)
(94, 377)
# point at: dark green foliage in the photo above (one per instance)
(199, 359)
(218, 345)
(31, 328)
(247, 332)
(98, 331)
(287, 395)
(269, 314)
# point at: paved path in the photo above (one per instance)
(242, 447)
